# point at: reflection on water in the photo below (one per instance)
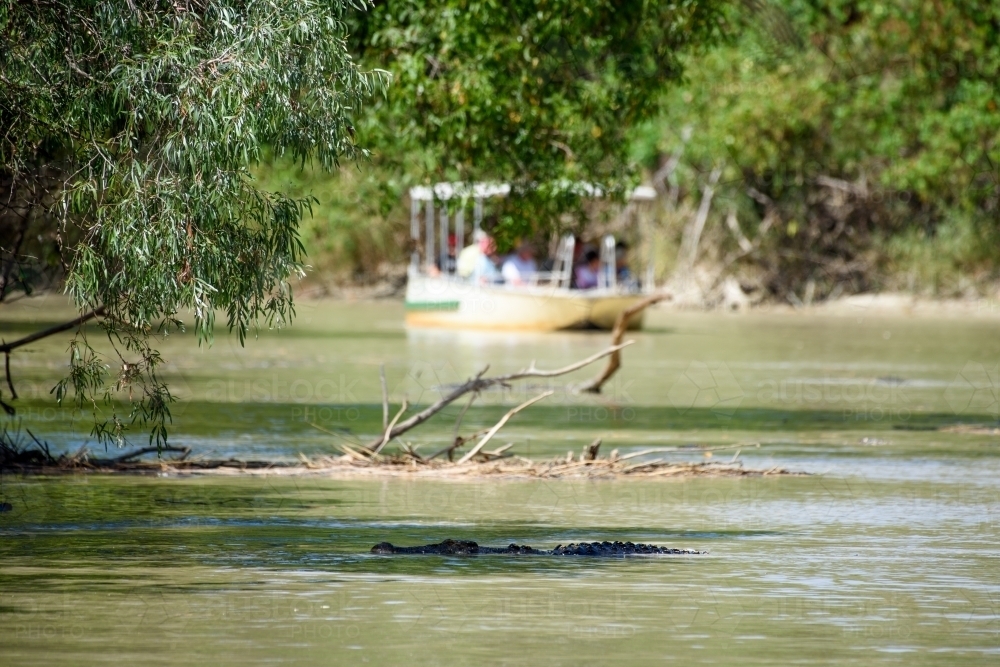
(886, 555)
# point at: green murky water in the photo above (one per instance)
(888, 554)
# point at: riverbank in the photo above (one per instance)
(892, 304)
(388, 291)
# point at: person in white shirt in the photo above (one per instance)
(486, 272)
(520, 268)
(469, 257)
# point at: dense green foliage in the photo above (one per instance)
(536, 93)
(359, 228)
(866, 134)
(858, 140)
(129, 131)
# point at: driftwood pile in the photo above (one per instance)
(402, 465)
(585, 466)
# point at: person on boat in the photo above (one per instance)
(520, 268)
(587, 272)
(485, 271)
(470, 254)
(451, 260)
(623, 274)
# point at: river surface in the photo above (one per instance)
(885, 554)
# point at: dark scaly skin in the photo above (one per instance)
(469, 548)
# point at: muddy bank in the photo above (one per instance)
(729, 296)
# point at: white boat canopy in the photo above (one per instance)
(446, 191)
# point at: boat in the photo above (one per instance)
(436, 296)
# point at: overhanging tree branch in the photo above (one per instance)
(7, 348)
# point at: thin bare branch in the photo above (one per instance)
(503, 420)
(387, 437)
(458, 442)
(461, 415)
(662, 450)
(480, 383)
(614, 361)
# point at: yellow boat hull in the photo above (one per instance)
(446, 303)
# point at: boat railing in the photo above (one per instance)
(438, 231)
(562, 270)
(548, 279)
(560, 278)
(607, 275)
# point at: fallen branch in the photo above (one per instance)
(387, 437)
(353, 453)
(344, 448)
(458, 442)
(662, 450)
(479, 383)
(456, 439)
(499, 425)
(498, 452)
(494, 464)
(615, 361)
(411, 451)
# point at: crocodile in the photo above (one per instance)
(470, 548)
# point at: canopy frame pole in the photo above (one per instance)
(415, 231)
(649, 241)
(607, 279)
(429, 237)
(443, 259)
